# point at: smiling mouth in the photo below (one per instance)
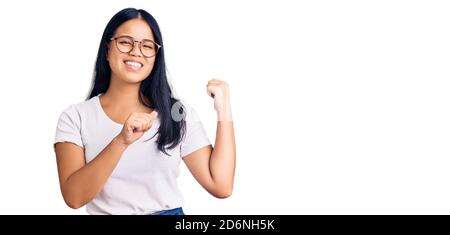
(133, 64)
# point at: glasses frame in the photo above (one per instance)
(139, 45)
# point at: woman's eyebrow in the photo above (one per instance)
(120, 35)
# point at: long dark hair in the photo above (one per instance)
(154, 88)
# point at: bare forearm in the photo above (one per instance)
(83, 185)
(223, 157)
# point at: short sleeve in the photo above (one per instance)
(68, 128)
(195, 136)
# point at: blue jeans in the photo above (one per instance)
(176, 211)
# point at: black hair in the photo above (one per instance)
(155, 91)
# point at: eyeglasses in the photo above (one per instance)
(125, 44)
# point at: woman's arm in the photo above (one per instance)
(81, 182)
(214, 168)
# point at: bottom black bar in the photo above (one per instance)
(280, 224)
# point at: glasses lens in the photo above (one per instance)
(124, 44)
(149, 48)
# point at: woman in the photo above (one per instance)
(119, 151)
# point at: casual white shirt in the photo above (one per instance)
(144, 180)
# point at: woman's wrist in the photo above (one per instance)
(119, 140)
(224, 114)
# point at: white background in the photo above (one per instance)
(340, 107)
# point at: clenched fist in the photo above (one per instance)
(220, 92)
(135, 126)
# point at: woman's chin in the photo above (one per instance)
(133, 79)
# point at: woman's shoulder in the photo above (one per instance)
(82, 108)
(189, 113)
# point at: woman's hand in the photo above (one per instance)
(135, 126)
(220, 92)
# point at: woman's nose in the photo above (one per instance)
(136, 51)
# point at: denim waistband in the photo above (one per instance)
(176, 211)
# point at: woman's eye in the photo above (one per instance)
(125, 43)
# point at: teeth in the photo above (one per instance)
(133, 63)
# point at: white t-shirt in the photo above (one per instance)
(144, 180)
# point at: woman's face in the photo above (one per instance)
(131, 67)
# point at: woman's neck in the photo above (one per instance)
(122, 95)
